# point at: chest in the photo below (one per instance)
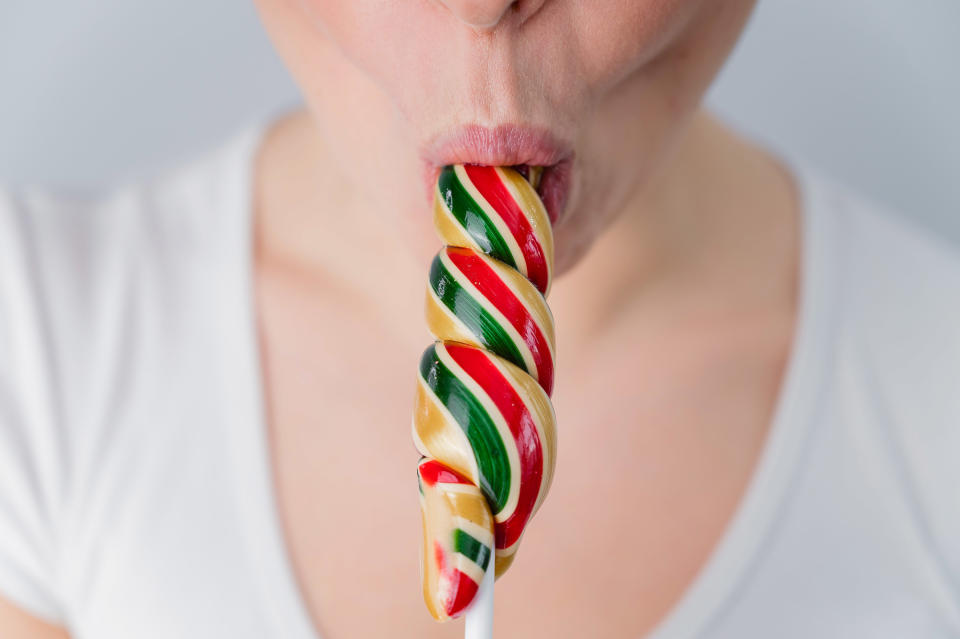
(645, 484)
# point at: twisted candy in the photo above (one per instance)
(483, 419)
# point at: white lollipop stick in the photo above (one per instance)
(479, 622)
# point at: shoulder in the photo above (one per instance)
(79, 273)
(170, 212)
(67, 258)
(898, 289)
(897, 346)
(91, 288)
(899, 282)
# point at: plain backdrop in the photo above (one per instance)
(97, 91)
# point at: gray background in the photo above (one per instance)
(96, 91)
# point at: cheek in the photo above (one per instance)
(616, 37)
(400, 46)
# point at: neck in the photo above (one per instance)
(715, 225)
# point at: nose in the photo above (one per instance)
(479, 14)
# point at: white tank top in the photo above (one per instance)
(135, 487)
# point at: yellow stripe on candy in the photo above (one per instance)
(436, 434)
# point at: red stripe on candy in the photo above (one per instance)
(494, 289)
(464, 592)
(440, 557)
(477, 364)
(431, 471)
(486, 180)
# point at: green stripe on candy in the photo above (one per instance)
(473, 218)
(488, 331)
(471, 548)
(485, 440)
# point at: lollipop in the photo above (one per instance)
(482, 418)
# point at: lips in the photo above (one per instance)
(505, 145)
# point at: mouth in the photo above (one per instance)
(517, 147)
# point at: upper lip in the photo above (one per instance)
(501, 145)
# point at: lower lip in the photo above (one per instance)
(553, 189)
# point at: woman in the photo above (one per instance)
(208, 379)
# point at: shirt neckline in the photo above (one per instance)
(717, 584)
(261, 531)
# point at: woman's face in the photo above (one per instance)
(595, 90)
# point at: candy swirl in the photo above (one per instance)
(482, 418)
